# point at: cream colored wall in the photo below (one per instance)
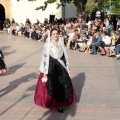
(6, 4)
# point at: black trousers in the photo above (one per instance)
(72, 44)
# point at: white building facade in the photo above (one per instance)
(24, 9)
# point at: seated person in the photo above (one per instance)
(106, 42)
(89, 42)
(70, 34)
(95, 43)
(117, 44)
(81, 42)
(78, 40)
(26, 31)
(14, 29)
(117, 57)
(75, 37)
(45, 34)
(64, 34)
(111, 49)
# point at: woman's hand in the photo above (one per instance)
(44, 79)
(45, 75)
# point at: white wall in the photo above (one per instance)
(24, 9)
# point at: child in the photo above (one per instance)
(3, 67)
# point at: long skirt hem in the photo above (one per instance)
(43, 99)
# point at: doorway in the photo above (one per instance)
(2, 16)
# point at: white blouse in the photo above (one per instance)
(56, 51)
(107, 40)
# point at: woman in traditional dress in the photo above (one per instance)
(54, 88)
(3, 67)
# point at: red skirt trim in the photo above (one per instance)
(41, 97)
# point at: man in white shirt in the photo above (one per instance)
(106, 43)
(89, 24)
(17, 28)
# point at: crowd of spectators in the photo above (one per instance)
(90, 37)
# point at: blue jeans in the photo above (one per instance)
(117, 50)
(94, 46)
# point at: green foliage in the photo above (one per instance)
(50, 2)
(115, 9)
(76, 2)
(86, 5)
(45, 4)
(113, 5)
(89, 5)
(7, 20)
(106, 3)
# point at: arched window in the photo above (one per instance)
(2, 16)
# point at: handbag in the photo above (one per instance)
(102, 43)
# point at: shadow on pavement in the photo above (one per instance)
(32, 88)
(78, 83)
(53, 114)
(25, 95)
(13, 69)
(14, 84)
(22, 97)
(8, 53)
(3, 48)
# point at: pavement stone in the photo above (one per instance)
(96, 80)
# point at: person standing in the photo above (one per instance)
(107, 22)
(3, 67)
(54, 88)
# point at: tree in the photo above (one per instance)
(91, 6)
(99, 5)
(115, 8)
(106, 3)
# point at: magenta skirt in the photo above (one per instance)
(42, 98)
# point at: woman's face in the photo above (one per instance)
(54, 35)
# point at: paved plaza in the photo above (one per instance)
(96, 80)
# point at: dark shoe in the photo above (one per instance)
(60, 110)
(71, 48)
(80, 50)
(93, 53)
(102, 54)
(112, 55)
